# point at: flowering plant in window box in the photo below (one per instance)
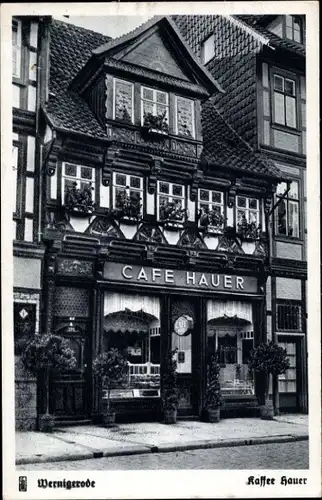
(172, 214)
(79, 199)
(124, 115)
(128, 206)
(248, 230)
(156, 124)
(210, 220)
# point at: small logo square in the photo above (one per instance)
(22, 483)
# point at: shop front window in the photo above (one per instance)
(230, 335)
(132, 325)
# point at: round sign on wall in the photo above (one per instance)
(183, 324)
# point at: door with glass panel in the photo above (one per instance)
(289, 382)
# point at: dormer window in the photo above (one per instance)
(207, 49)
(123, 100)
(294, 28)
(154, 109)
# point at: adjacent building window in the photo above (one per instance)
(171, 201)
(284, 100)
(185, 117)
(16, 48)
(289, 317)
(79, 180)
(294, 28)
(287, 212)
(123, 101)
(208, 49)
(247, 210)
(128, 194)
(211, 209)
(154, 103)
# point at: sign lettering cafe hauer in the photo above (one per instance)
(177, 278)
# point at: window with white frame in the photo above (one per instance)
(78, 178)
(211, 209)
(208, 49)
(155, 103)
(185, 117)
(284, 99)
(247, 211)
(16, 48)
(128, 193)
(170, 201)
(123, 105)
(287, 211)
(294, 28)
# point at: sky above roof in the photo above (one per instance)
(113, 26)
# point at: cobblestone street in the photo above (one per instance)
(265, 456)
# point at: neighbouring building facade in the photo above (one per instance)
(159, 215)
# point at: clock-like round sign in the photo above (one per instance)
(183, 324)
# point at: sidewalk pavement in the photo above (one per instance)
(89, 441)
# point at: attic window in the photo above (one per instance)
(154, 103)
(294, 28)
(185, 119)
(123, 101)
(208, 49)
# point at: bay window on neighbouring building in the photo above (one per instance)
(185, 117)
(128, 194)
(154, 103)
(284, 100)
(123, 105)
(16, 48)
(287, 212)
(170, 201)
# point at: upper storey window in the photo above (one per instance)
(78, 186)
(123, 100)
(287, 213)
(285, 101)
(154, 108)
(207, 49)
(16, 48)
(185, 119)
(294, 28)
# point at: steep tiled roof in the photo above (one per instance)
(70, 48)
(225, 148)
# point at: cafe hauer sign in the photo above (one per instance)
(177, 278)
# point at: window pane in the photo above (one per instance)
(70, 184)
(289, 21)
(120, 180)
(148, 94)
(294, 190)
(119, 197)
(281, 187)
(216, 197)
(164, 187)
(147, 107)
(281, 217)
(290, 111)
(240, 215)
(70, 170)
(293, 219)
(135, 197)
(84, 185)
(241, 202)
(162, 97)
(204, 195)
(123, 101)
(162, 110)
(289, 87)
(297, 35)
(176, 190)
(86, 173)
(279, 108)
(253, 203)
(253, 217)
(278, 83)
(289, 33)
(135, 182)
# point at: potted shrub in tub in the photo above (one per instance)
(267, 359)
(170, 391)
(213, 399)
(44, 356)
(110, 367)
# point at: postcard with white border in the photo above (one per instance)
(160, 250)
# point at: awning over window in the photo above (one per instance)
(229, 309)
(116, 302)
